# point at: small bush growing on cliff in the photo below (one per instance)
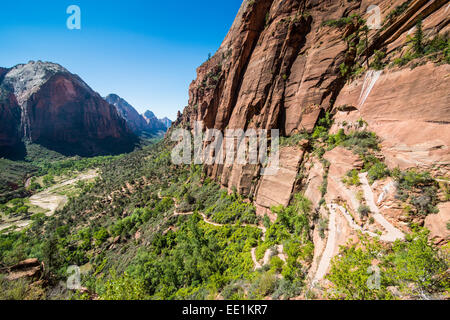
(352, 178)
(377, 62)
(377, 171)
(363, 211)
(414, 266)
(398, 10)
(294, 139)
(419, 188)
(436, 49)
(417, 40)
(342, 22)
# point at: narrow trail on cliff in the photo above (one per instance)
(267, 254)
(327, 254)
(391, 233)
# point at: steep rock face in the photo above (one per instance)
(281, 66)
(276, 189)
(147, 123)
(61, 112)
(10, 138)
(166, 122)
(270, 72)
(134, 120)
(417, 98)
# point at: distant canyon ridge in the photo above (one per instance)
(43, 103)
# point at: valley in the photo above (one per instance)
(358, 209)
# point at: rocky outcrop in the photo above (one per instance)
(283, 64)
(276, 189)
(438, 224)
(29, 269)
(61, 112)
(400, 102)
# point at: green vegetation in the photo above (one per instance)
(364, 211)
(14, 207)
(19, 290)
(413, 267)
(211, 80)
(294, 139)
(123, 231)
(232, 209)
(184, 257)
(342, 22)
(40, 162)
(377, 62)
(418, 189)
(358, 141)
(436, 49)
(352, 178)
(12, 176)
(378, 171)
(398, 10)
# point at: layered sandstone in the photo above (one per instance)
(280, 67)
(60, 111)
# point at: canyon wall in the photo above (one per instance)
(282, 66)
(45, 104)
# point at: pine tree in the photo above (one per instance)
(418, 38)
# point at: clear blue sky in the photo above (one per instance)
(145, 51)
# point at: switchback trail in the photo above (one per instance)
(267, 254)
(391, 233)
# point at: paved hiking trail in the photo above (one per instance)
(329, 249)
(267, 254)
(391, 233)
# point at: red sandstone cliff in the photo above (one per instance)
(280, 67)
(58, 110)
(283, 65)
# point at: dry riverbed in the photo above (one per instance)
(48, 200)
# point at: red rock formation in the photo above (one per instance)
(30, 268)
(9, 124)
(61, 112)
(280, 67)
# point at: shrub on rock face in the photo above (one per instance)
(363, 211)
(378, 171)
(419, 188)
(352, 178)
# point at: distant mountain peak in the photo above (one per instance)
(149, 115)
(25, 79)
(147, 123)
(44, 103)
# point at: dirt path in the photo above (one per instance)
(327, 254)
(49, 200)
(19, 225)
(392, 233)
